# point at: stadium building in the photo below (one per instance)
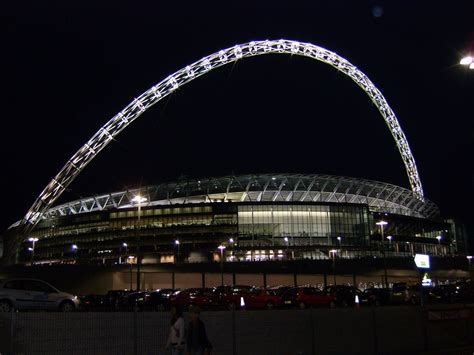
(242, 218)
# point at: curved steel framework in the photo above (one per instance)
(150, 97)
(296, 188)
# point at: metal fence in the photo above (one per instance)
(386, 330)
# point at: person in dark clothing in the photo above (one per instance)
(197, 342)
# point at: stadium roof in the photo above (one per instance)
(379, 196)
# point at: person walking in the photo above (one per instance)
(197, 342)
(176, 340)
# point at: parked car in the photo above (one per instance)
(129, 301)
(280, 290)
(230, 296)
(260, 298)
(403, 293)
(34, 294)
(465, 291)
(201, 297)
(344, 295)
(93, 303)
(375, 296)
(113, 297)
(159, 300)
(444, 294)
(303, 297)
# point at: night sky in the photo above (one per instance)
(67, 69)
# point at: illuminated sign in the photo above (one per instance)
(422, 261)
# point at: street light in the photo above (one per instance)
(438, 237)
(221, 248)
(33, 241)
(382, 224)
(130, 260)
(286, 241)
(124, 245)
(469, 257)
(467, 60)
(137, 199)
(333, 252)
(176, 242)
(74, 249)
(231, 242)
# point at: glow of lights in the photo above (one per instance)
(469, 257)
(471, 66)
(176, 242)
(34, 240)
(231, 240)
(139, 199)
(339, 238)
(467, 60)
(74, 247)
(124, 245)
(439, 238)
(285, 239)
(334, 251)
(389, 237)
(130, 257)
(381, 223)
(221, 247)
(30, 249)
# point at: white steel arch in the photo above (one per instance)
(156, 93)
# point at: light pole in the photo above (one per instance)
(439, 243)
(33, 241)
(382, 224)
(221, 248)
(333, 252)
(176, 242)
(138, 200)
(130, 260)
(469, 257)
(286, 241)
(231, 243)
(125, 245)
(390, 242)
(74, 249)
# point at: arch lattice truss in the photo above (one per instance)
(150, 97)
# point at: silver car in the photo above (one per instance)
(34, 294)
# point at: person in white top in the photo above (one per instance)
(176, 340)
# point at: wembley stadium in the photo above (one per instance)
(242, 218)
(234, 218)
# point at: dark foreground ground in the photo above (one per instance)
(386, 330)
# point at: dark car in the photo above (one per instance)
(280, 290)
(465, 291)
(345, 295)
(132, 301)
(403, 293)
(260, 298)
(188, 298)
(93, 303)
(159, 300)
(444, 294)
(113, 297)
(303, 297)
(375, 296)
(230, 297)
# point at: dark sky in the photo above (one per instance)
(67, 69)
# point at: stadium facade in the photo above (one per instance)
(243, 218)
